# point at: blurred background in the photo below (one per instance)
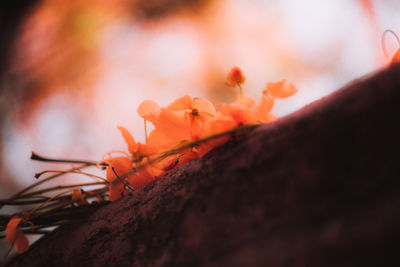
(71, 71)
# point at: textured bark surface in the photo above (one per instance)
(319, 187)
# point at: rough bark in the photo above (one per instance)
(319, 187)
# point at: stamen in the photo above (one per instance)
(240, 89)
(105, 162)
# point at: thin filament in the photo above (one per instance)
(384, 43)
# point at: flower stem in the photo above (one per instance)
(17, 195)
(35, 156)
(59, 187)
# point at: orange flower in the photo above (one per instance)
(199, 113)
(129, 140)
(235, 77)
(240, 110)
(170, 124)
(147, 149)
(16, 236)
(121, 166)
(137, 150)
(201, 108)
(142, 178)
(161, 140)
(149, 110)
(281, 89)
(174, 124)
(244, 100)
(180, 122)
(221, 123)
(181, 103)
(77, 194)
(241, 114)
(183, 121)
(262, 112)
(195, 107)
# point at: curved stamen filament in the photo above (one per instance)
(385, 52)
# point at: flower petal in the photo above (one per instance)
(129, 140)
(158, 139)
(149, 110)
(174, 124)
(147, 149)
(116, 191)
(11, 229)
(281, 89)
(81, 198)
(241, 114)
(263, 110)
(204, 106)
(219, 124)
(140, 179)
(16, 236)
(121, 166)
(21, 243)
(244, 100)
(181, 103)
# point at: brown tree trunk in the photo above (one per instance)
(320, 187)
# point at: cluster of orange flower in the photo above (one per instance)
(183, 121)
